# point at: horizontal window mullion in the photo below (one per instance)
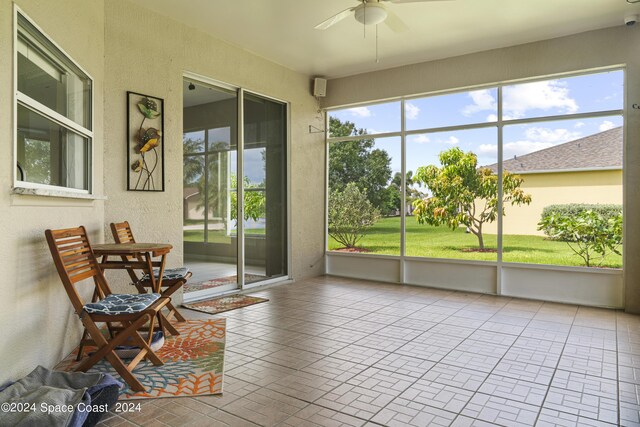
(452, 128)
(52, 115)
(366, 136)
(575, 116)
(205, 153)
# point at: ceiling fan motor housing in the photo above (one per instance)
(370, 13)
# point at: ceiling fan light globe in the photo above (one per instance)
(370, 13)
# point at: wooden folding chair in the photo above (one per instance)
(172, 278)
(75, 262)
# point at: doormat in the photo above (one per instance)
(219, 305)
(214, 283)
(193, 363)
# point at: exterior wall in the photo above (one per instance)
(38, 326)
(607, 47)
(602, 187)
(148, 53)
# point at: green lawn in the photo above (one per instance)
(441, 242)
(216, 236)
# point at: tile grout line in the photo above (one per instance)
(493, 369)
(618, 371)
(372, 366)
(555, 370)
(465, 307)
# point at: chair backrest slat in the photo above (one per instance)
(122, 232)
(85, 274)
(75, 262)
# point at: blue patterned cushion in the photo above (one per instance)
(121, 304)
(169, 274)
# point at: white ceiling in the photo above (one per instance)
(282, 30)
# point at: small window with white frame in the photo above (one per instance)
(53, 114)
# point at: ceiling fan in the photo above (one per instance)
(372, 12)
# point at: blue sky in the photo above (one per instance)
(581, 94)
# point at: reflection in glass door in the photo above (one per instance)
(209, 171)
(235, 230)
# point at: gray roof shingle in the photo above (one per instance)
(601, 150)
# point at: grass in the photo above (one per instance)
(442, 242)
(216, 236)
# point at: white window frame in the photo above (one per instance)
(499, 124)
(37, 107)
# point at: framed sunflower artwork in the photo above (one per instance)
(145, 142)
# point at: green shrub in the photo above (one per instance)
(351, 214)
(574, 209)
(607, 211)
(590, 234)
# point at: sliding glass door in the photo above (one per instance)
(234, 229)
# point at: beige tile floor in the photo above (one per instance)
(337, 352)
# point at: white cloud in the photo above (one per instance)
(518, 99)
(518, 148)
(411, 111)
(420, 139)
(451, 140)
(537, 138)
(578, 125)
(482, 101)
(606, 125)
(545, 95)
(488, 149)
(360, 111)
(554, 136)
(492, 118)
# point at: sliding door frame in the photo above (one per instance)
(240, 259)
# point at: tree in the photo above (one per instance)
(360, 163)
(589, 234)
(464, 194)
(255, 202)
(193, 166)
(350, 215)
(37, 161)
(395, 194)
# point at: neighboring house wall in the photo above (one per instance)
(37, 324)
(600, 187)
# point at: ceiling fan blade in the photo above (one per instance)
(413, 1)
(334, 19)
(395, 23)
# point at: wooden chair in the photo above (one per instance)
(75, 262)
(172, 278)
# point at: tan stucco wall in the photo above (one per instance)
(148, 53)
(36, 321)
(601, 187)
(145, 53)
(608, 47)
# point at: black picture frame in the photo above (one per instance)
(145, 142)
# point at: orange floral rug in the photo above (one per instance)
(193, 363)
(222, 304)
